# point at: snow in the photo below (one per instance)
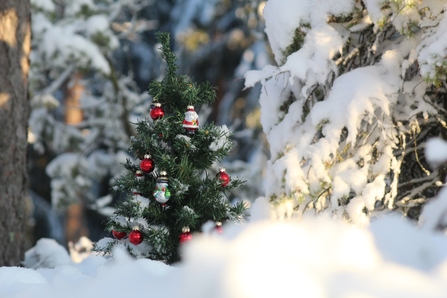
(224, 134)
(436, 151)
(430, 56)
(311, 257)
(47, 253)
(142, 201)
(97, 23)
(60, 169)
(434, 214)
(426, 254)
(185, 138)
(64, 42)
(188, 209)
(374, 9)
(76, 6)
(344, 105)
(100, 24)
(321, 44)
(47, 5)
(282, 17)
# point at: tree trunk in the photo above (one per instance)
(73, 112)
(75, 221)
(15, 40)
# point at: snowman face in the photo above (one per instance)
(190, 116)
(161, 185)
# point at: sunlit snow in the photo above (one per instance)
(313, 257)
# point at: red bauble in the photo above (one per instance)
(185, 236)
(157, 112)
(219, 228)
(147, 164)
(135, 237)
(119, 235)
(223, 177)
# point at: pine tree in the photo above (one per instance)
(172, 193)
(74, 70)
(358, 90)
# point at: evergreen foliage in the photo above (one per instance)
(75, 70)
(358, 91)
(197, 196)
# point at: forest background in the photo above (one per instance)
(91, 64)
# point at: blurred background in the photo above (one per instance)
(91, 64)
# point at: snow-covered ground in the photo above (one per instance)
(313, 257)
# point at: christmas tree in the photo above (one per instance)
(172, 191)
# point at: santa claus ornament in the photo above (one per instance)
(223, 177)
(147, 164)
(161, 191)
(139, 175)
(157, 111)
(191, 121)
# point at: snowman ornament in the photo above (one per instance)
(161, 192)
(191, 121)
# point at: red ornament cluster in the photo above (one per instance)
(135, 237)
(185, 236)
(147, 164)
(157, 112)
(223, 177)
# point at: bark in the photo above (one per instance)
(73, 112)
(75, 222)
(15, 40)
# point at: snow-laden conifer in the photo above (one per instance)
(358, 88)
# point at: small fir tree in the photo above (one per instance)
(172, 191)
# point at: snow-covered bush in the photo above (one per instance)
(358, 88)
